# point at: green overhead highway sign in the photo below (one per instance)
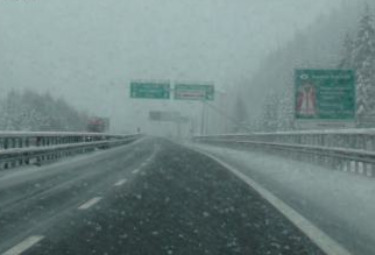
(194, 92)
(150, 90)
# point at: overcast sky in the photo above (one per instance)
(88, 50)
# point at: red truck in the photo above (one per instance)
(98, 125)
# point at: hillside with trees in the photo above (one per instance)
(30, 111)
(359, 55)
(345, 39)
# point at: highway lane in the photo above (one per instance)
(34, 199)
(149, 197)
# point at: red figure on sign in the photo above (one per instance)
(306, 100)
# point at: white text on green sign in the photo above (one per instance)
(150, 90)
(325, 94)
(194, 92)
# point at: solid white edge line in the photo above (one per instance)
(89, 203)
(24, 245)
(120, 182)
(321, 239)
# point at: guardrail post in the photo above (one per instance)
(38, 141)
(369, 170)
(359, 142)
(6, 143)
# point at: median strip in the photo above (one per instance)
(89, 203)
(24, 245)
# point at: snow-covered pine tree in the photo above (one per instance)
(271, 113)
(240, 115)
(29, 111)
(347, 53)
(286, 111)
(363, 57)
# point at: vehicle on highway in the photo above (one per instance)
(98, 125)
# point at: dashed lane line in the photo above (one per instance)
(120, 182)
(321, 239)
(89, 203)
(24, 245)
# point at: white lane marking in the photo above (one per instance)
(321, 239)
(24, 245)
(90, 203)
(120, 182)
(135, 171)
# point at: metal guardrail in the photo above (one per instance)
(343, 138)
(24, 148)
(346, 150)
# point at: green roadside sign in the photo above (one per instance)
(194, 92)
(150, 90)
(325, 95)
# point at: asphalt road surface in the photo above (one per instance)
(148, 197)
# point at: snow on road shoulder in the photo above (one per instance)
(349, 198)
